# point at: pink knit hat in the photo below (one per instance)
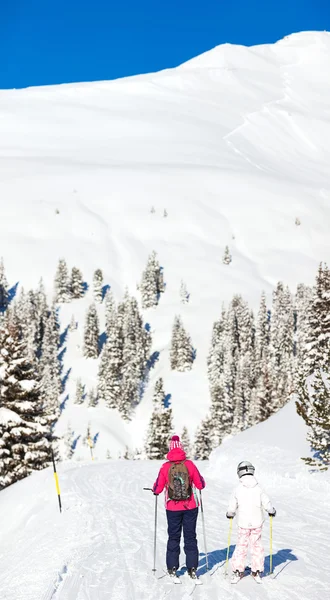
(175, 443)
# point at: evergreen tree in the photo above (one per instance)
(4, 299)
(98, 286)
(152, 282)
(92, 398)
(26, 433)
(80, 392)
(73, 324)
(227, 257)
(313, 406)
(203, 442)
(68, 443)
(91, 334)
(160, 425)
(282, 345)
(317, 354)
(185, 440)
(184, 296)
(182, 352)
(110, 311)
(302, 302)
(49, 366)
(62, 284)
(76, 284)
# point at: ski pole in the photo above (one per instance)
(204, 533)
(56, 482)
(229, 538)
(155, 529)
(271, 545)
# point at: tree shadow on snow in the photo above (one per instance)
(63, 336)
(75, 442)
(102, 340)
(12, 292)
(105, 289)
(60, 358)
(285, 556)
(167, 400)
(95, 438)
(65, 379)
(63, 403)
(85, 286)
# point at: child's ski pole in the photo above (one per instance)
(271, 545)
(155, 529)
(229, 538)
(204, 533)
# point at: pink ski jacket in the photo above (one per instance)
(175, 456)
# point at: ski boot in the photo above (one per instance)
(236, 577)
(256, 576)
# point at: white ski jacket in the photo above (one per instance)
(249, 500)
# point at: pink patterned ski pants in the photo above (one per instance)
(257, 552)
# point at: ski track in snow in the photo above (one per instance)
(101, 546)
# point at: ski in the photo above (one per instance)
(256, 578)
(174, 578)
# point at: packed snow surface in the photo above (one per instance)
(235, 144)
(101, 546)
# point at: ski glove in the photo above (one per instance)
(272, 513)
(230, 515)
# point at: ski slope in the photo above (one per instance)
(235, 144)
(101, 546)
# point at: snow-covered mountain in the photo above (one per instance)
(101, 546)
(234, 144)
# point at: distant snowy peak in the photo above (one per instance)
(232, 56)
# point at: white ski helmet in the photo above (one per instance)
(245, 468)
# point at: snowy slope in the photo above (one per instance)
(234, 143)
(101, 546)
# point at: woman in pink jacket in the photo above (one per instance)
(180, 478)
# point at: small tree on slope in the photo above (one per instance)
(313, 405)
(98, 286)
(3, 288)
(91, 334)
(62, 284)
(76, 284)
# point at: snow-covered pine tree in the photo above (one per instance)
(152, 282)
(62, 283)
(76, 284)
(92, 398)
(91, 333)
(49, 366)
(182, 352)
(160, 425)
(313, 405)
(68, 443)
(152, 210)
(227, 257)
(282, 345)
(80, 392)
(203, 441)
(110, 311)
(73, 324)
(317, 355)
(186, 443)
(165, 213)
(184, 296)
(3, 288)
(302, 302)
(98, 286)
(28, 438)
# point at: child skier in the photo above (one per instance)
(249, 499)
(179, 476)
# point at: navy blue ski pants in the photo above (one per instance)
(176, 521)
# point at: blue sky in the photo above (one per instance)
(58, 41)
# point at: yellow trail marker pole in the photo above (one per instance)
(271, 545)
(57, 483)
(90, 443)
(229, 538)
